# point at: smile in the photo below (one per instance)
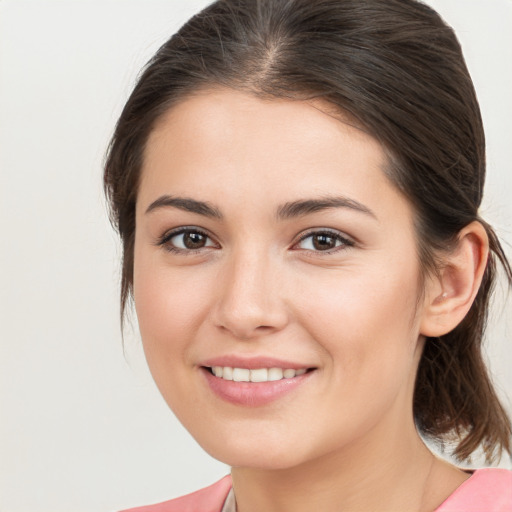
(255, 386)
(256, 374)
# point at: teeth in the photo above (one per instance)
(260, 375)
(256, 375)
(227, 373)
(241, 375)
(275, 374)
(288, 373)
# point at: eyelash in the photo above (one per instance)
(345, 242)
(164, 240)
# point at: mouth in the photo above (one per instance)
(253, 387)
(255, 374)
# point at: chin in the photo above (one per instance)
(260, 459)
(255, 452)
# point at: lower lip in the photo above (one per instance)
(253, 394)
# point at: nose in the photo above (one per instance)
(250, 301)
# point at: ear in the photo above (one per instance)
(449, 296)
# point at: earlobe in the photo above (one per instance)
(449, 295)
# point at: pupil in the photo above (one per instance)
(194, 240)
(323, 242)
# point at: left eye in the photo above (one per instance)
(187, 239)
(322, 241)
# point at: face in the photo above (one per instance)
(270, 247)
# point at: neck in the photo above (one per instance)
(387, 470)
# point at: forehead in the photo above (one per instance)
(213, 113)
(221, 140)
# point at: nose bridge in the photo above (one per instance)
(251, 302)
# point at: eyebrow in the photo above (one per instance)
(186, 204)
(286, 211)
(304, 207)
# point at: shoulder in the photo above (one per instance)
(209, 499)
(487, 489)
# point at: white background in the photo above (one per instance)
(82, 427)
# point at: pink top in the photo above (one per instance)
(486, 490)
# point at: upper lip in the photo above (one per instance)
(251, 363)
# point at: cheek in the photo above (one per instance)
(367, 334)
(169, 305)
(365, 322)
(162, 311)
(169, 312)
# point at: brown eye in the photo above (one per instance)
(194, 240)
(186, 240)
(323, 241)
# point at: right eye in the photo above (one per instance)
(186, 240)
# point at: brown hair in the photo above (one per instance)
(398, 69)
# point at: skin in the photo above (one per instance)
(357, 313)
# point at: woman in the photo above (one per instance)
(296, 185)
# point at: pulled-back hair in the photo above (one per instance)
(397, 69)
